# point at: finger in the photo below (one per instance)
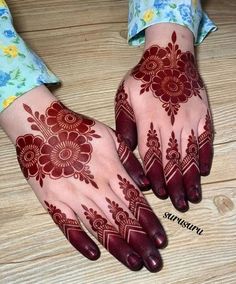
(125, 119)
(190, 166)
(130, 163)
(205, 141)
(173, 174)
(109, 237)
(152, 161)
(66, 220)
(139, 207)
(134, 234)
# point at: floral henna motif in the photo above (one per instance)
(170, 74)
(63, 150)
(173, 156)
(207, 135)
(192, 155)
(122, 106)
(105, 232)
(153, 154)
(66, 225)
(128, 227)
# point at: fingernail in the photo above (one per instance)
(134, 261)
(162, 192)
(182, 205)
(154, 263)
(194, 194)
(144, 181)
(205, 170)
(160, 239)
(93, 254)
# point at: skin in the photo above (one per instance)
(66, 158)
(162, 106)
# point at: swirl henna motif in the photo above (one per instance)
(170, 74)
(62, 150)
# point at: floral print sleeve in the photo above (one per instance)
(20, 68)
(144, 13)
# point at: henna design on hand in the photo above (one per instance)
(174, 159)
(63, 150)
(135, 235)
(153, 163)
(131, 164)
(205, 141)
(142, 211)
(170, 74)
(73, 232)
(125, 119)
(110, 238)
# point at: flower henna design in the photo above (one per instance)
(63, 150)
(170, 74)
(191, 159)
(122, 106)
(173, 156)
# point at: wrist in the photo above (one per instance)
(13, 118)
(160, 34)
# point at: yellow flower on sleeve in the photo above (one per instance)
(11, 50)
(3, 3)
(148, 15)
(8, 101)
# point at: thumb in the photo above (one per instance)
(125, 119)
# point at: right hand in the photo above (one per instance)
(72, 163)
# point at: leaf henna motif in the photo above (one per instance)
(170, 74)
(62, 150)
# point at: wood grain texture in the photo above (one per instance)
(84, 43)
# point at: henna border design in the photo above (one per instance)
(207, 135)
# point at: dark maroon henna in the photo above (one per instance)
(74, 233)
(110, 238)
(134, 234)
(190, 170)
(170, 74)
(205, 141)
(131, 164)
(62, 150)
(143, 212)
(153, 164)
(125, 120)
(173, 175)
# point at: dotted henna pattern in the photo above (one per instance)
(62, 150)
(170, 74)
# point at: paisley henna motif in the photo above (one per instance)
(63, 150)
(170, 74)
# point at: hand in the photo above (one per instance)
(72, 164)
(163, 104)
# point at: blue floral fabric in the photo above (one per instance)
(144, 13)
(20, 68)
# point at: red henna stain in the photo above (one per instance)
(73, 232)
(140, 208)
(63, 150)
(170, 74)
(173, 156)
